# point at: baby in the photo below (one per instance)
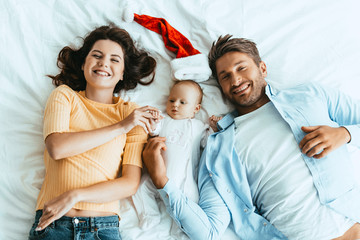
(185, 136)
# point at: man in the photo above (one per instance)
(278, 167)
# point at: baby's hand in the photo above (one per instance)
(213, 121)
(156, 116)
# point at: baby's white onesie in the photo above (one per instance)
(184, 140)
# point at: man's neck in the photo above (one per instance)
(245, 110)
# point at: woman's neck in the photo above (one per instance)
(101, 96)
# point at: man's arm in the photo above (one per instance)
(342, 109)
(206, 220)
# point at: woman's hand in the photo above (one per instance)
(321, 140)
(141, 117)
(101, 192)
(56, 208)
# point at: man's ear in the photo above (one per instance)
(263, 69)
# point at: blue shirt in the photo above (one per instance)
(224, 191)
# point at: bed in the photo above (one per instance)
(301, 41)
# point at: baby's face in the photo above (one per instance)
(183, 101)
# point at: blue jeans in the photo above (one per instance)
(100, 228)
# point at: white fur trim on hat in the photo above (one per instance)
(129, 9)
(195, 67)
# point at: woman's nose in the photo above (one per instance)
(102, 63)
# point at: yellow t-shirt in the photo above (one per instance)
(70, 111)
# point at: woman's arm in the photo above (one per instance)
(113, 190)
(107, 191)
(67, 144)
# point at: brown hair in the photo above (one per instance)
(138, 64)
(226, 44)
(195, 84)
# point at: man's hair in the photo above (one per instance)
(226, 44)
(195, 84)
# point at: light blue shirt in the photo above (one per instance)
(224, 191)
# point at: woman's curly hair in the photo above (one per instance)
(138, 63)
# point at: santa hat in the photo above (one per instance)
(189, 62)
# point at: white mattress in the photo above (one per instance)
(300, 41)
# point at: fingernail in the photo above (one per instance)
(38, 229)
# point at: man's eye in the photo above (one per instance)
(225, 77)
(182, 102)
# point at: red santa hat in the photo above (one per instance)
(189, 62)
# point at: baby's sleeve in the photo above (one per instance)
(157, 130)
(206, 133)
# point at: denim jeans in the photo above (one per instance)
(100, 228)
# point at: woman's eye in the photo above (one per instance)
(182, 102)
(96, 56)
(171, 101)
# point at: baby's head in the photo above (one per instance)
(184, 100)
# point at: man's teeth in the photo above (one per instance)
(241, 89)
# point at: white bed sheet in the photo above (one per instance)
(300, 41)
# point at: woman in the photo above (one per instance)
(90, 135)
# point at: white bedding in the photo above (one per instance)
(300, 41)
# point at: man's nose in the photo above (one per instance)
(236, 79)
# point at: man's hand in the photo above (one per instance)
(154, 161)
(321, 140)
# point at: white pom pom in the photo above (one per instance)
(128, 11)
(128, 16)
(194, 67)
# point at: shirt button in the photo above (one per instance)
(265, 224)
(228, 190)
(76, 221)
(245, 210)
(210, 174)
(167, 195)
